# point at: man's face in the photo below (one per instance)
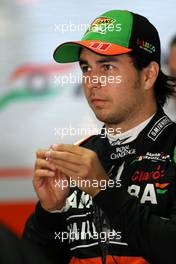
(121, 96)
(172, 61)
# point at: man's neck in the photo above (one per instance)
(127, 136)
(131, 122)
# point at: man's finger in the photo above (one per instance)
(44, 173)
(44, 164)
(69, 148)
(40, 153)
(67, 165)
(69, 173)
(64, 156)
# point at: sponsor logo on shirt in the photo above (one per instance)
(119, 141)
(149, 193)
(158, 127)
(141, 175)
(122, 152)
(154, 157)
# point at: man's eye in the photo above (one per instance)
(108, 67)
(85, 68)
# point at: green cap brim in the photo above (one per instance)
(70, 51)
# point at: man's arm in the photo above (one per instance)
(45, 229)
(153, 236)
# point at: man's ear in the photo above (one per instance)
(150, 74)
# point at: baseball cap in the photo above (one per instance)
(112, 33)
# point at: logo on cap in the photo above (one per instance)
(146, 46)
(100, 24)
(98, 45)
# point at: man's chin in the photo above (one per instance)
(107, 118)
(101, 116)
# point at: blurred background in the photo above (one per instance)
(34, 104)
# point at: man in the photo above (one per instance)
(123, 207)
(170, 106)
(171, 61)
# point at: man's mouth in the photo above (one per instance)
(98, 101)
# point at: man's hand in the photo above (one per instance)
(80, 164)
(45, 176)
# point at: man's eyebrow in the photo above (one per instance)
(103, 60)
(107, 59)
(81, 61)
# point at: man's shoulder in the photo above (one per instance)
(161, 127)
(171, 129)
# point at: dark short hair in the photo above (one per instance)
(164, 86)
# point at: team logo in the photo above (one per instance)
(98, 45)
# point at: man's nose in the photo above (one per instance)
(93, 79)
